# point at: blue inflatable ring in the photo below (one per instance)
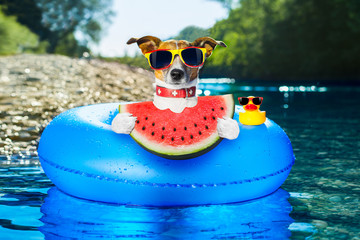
(84, 158)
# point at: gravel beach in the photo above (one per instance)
(36, 88)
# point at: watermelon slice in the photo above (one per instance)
(184, 135)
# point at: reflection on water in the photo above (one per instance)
(321, 121)
(22, 191)
(66, 216)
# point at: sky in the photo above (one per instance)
(160, 18)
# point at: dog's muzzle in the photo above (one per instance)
(177, 74)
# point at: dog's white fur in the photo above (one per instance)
(125, 122)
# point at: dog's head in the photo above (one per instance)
(177, 73)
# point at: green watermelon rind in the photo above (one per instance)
(189, 152)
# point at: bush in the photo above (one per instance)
(14, 37)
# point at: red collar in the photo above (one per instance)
(175, 93)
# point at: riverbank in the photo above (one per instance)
(36, 88)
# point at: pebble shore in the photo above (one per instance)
(36, 88)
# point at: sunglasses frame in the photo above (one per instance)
(175, 52)
(251, 99)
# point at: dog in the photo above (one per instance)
(178, 77)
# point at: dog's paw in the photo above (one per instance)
(228, 128)
(123, 123)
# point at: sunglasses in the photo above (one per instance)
(246, 100)
(162, 58)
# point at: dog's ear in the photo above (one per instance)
(146, 44)
(208, 43)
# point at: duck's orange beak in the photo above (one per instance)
(251, 107)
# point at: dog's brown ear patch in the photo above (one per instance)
(146, 44)
(208, 43)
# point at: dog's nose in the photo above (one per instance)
(176, 74)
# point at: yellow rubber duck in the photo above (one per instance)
(252, 114)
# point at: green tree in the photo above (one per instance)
(28, 14)
(289, 39)
(64, 18)
(314, 39)
(243, 31)
(56, 21)
(69, 46)
(14, 37)
(191, 33)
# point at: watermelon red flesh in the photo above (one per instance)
(179, 135)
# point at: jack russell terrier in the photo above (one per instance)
(176, 64)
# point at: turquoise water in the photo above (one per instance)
(320, 198)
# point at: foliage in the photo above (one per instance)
(64, 17)
(28, 14)
(14, 37)
(69, 46)
(289, 39)
(57, 21)
(191, 33)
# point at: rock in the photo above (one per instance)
(32, 79)
(36, 88)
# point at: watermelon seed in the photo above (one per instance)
(146, 118)
(143, 128)
(195, 124)
(163, 128)
(191, 136)
(172, 139)
(153, 124)
(222, 108)
(185, 128)
(182, 138)
(206, 127)
(162, 136)
(212, 109)
(199, 132)
(174, 129)
(204, 118)
(137, 121)
(213, 117)
(153, 133)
